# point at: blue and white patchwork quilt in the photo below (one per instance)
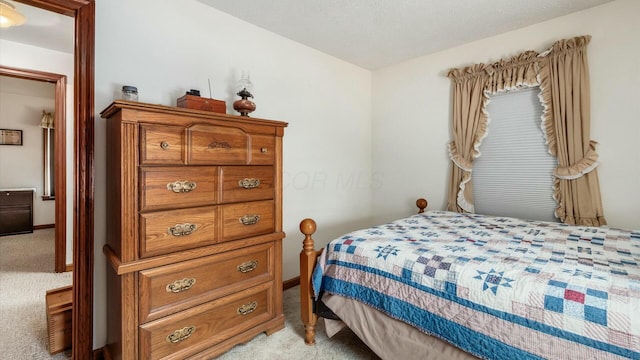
(497, 287)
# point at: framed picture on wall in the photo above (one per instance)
(10, 137)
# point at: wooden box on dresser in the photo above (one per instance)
(194, 231)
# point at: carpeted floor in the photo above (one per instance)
(26, 273)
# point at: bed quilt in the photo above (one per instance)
(497, 287)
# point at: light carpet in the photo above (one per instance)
(26, 273)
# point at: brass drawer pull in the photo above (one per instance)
(249, 219)
(247, 309)
(181, 186)
(181, 334)
(264, 150)
(181, 285)
(181, 229)
(249, 183)
(248, 266)
(164, 145)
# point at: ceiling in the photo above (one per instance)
(376, 33)
(368, 33)
(43, 29)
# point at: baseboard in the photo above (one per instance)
(288, 284)
(45, 226)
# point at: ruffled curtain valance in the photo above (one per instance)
(562, 74)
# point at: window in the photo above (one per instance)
(514, 174)
(48, 144)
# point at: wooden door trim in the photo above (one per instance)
(84, 13)
(60, 170)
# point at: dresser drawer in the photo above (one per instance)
(191, 331)
(164, 232)
(175, 187)
(247, 219)
(246, 183)
(263, 150)
(169, 289)
(213, 145)
(13, 198)
(161, 144)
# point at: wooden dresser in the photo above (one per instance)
(194, 231)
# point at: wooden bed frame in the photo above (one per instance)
(308, 257)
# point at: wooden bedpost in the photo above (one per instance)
(421, 204)
(308, 257)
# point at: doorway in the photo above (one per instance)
(60, 182)
(83, 12)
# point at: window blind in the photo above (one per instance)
(514, 174)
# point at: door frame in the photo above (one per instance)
(60, 155)
(83, 11)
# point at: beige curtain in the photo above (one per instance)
(562, 74)
(564, 81)
(469, 127)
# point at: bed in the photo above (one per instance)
(445, 285)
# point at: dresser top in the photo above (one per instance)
(18, 189)
(119, 105)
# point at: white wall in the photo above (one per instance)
(21, 105)
(22, 56)
(411, 111)
(327, 103)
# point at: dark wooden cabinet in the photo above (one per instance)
(16, 212)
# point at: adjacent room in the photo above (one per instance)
(191, 164)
